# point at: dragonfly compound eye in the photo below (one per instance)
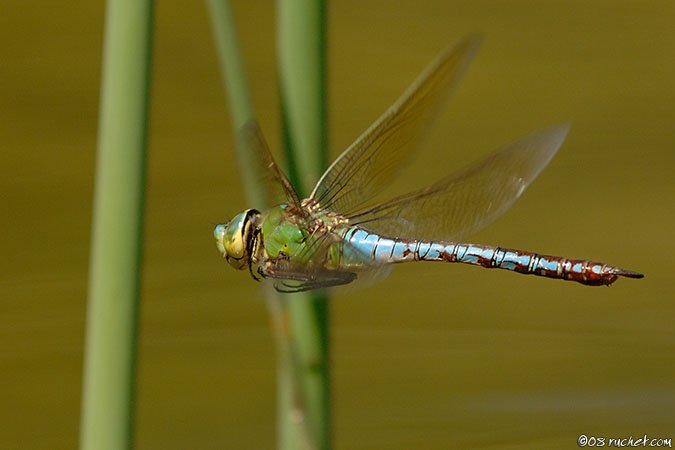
(219, 234)
(232, 238)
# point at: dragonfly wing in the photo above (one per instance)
(377, 156)
(469, 200)
(277, 187)
(290, 282)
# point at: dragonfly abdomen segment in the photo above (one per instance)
(385, 250)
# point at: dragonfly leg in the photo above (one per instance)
(251, 247)
(265, 268)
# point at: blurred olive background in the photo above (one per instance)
(436, 356)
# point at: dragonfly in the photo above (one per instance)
(340, 233)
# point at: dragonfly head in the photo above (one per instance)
(234, 239)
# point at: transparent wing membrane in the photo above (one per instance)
(277, 186)
(377, 156)
(469, 200)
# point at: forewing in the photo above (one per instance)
(469, 200)
(377, 156)
(277, 187)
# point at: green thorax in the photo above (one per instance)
(288, 234)
(283, 233)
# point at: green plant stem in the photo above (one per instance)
(115, 267)
(299, 321)
(237, 91)
(302, 69)
(238, 94)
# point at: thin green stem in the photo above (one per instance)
(238, 94)
(299, 321)
(302, 80)
(302, 67)
(115, 268)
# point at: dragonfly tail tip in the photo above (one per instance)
(629, 273)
